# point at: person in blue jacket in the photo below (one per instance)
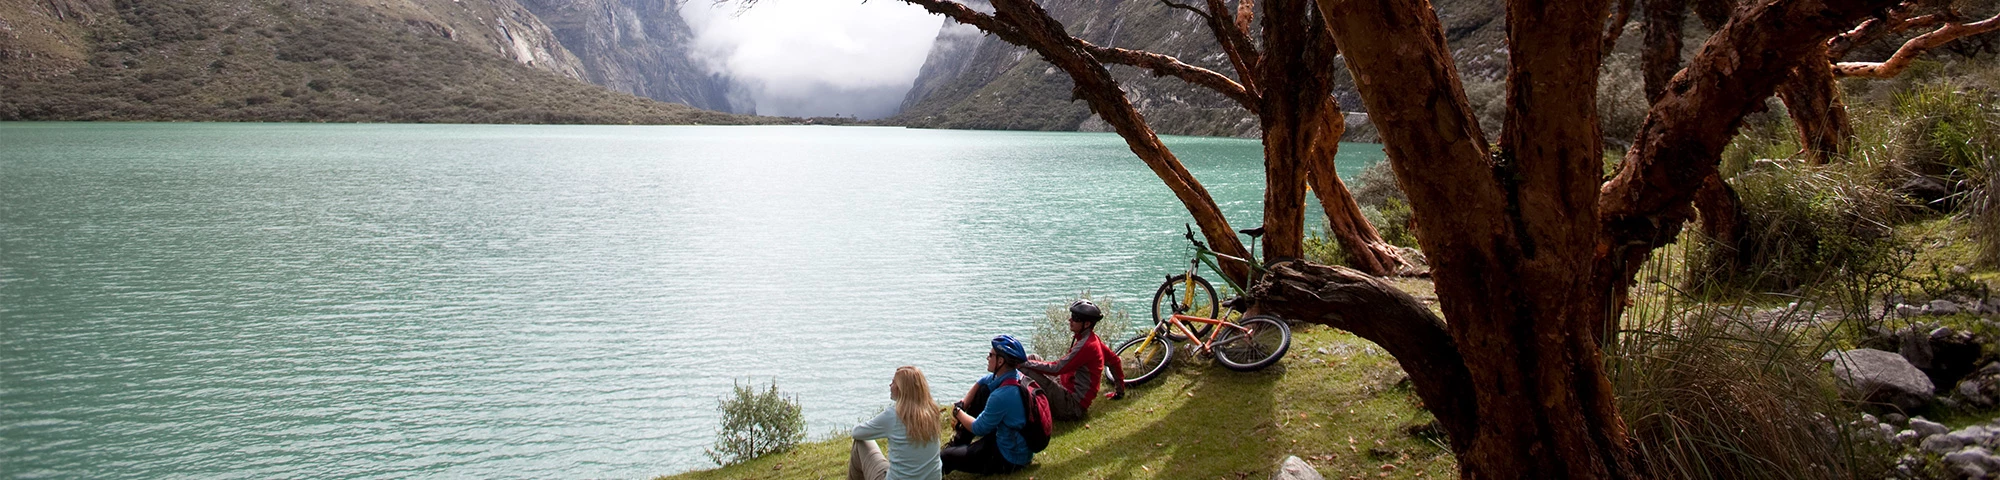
(987, 435)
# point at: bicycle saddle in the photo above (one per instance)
(1254, 232)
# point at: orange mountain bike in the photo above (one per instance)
(1246, 344)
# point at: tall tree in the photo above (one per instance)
(1532, 250)
(1285, 84)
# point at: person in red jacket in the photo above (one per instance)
(1077, 373)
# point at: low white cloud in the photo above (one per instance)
(816, 57)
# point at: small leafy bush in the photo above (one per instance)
(757, 424)
(1051, 339)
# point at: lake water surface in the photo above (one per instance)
(365, 301)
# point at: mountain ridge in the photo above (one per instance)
(468, 61)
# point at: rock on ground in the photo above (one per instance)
(1295, 469)
(1880, 377)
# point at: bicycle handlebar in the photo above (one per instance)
(1204, 247)
(1190, 237)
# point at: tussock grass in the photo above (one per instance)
(1729, 390)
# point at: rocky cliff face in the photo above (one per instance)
(975, 81)
(476, 61)
(641, 47)
(972, 80)
(504, 27)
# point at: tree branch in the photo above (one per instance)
(1235, 42)
(1895, 21)
(1163, 65)
(1916, 46)
(1026, 23)
(1681, 141)
(1347, 299)
(1182, 6)
(966, 15)
(1617, 26)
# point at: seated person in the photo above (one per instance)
(1078, 372)
(912, 428)
(994, 414)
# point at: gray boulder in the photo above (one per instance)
(1880, 377)
(1975, 455)
(1941, 307)
(1295, 469)
(1972, 471)
(1927, 428)
(1940, 444)
(1982, 388)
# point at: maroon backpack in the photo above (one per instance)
(1036, 402)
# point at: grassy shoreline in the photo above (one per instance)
(1337, 401)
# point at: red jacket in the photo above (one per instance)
(1080, 370)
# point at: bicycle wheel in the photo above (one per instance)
(1264, 341)
(1144, 357)
(1173, 297)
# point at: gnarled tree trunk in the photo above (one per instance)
(1302, 127)
(1662, 54)
(1813, 101)
(1544, 406)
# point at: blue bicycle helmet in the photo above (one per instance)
(1009, 347)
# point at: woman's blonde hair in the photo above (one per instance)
(914, 405)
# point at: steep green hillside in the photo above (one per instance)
(298, 60)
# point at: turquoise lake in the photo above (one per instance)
(387, 301)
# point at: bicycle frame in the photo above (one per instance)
(1180, 321)
(1204, 256)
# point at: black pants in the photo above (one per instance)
(980, 456)
(964, 454)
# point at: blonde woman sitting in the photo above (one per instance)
(912, 427)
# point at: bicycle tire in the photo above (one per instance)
(1171, 294)
(1143, 364)
(1267, 340)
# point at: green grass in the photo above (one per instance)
(1337, 401)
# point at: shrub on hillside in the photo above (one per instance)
(1621, 99)
(1382, 203)
(1801, 225)
(1051, 339)
(1376, 185)
(757, 424)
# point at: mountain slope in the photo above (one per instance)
(479, 61)
(976, 81)
(641, 47)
